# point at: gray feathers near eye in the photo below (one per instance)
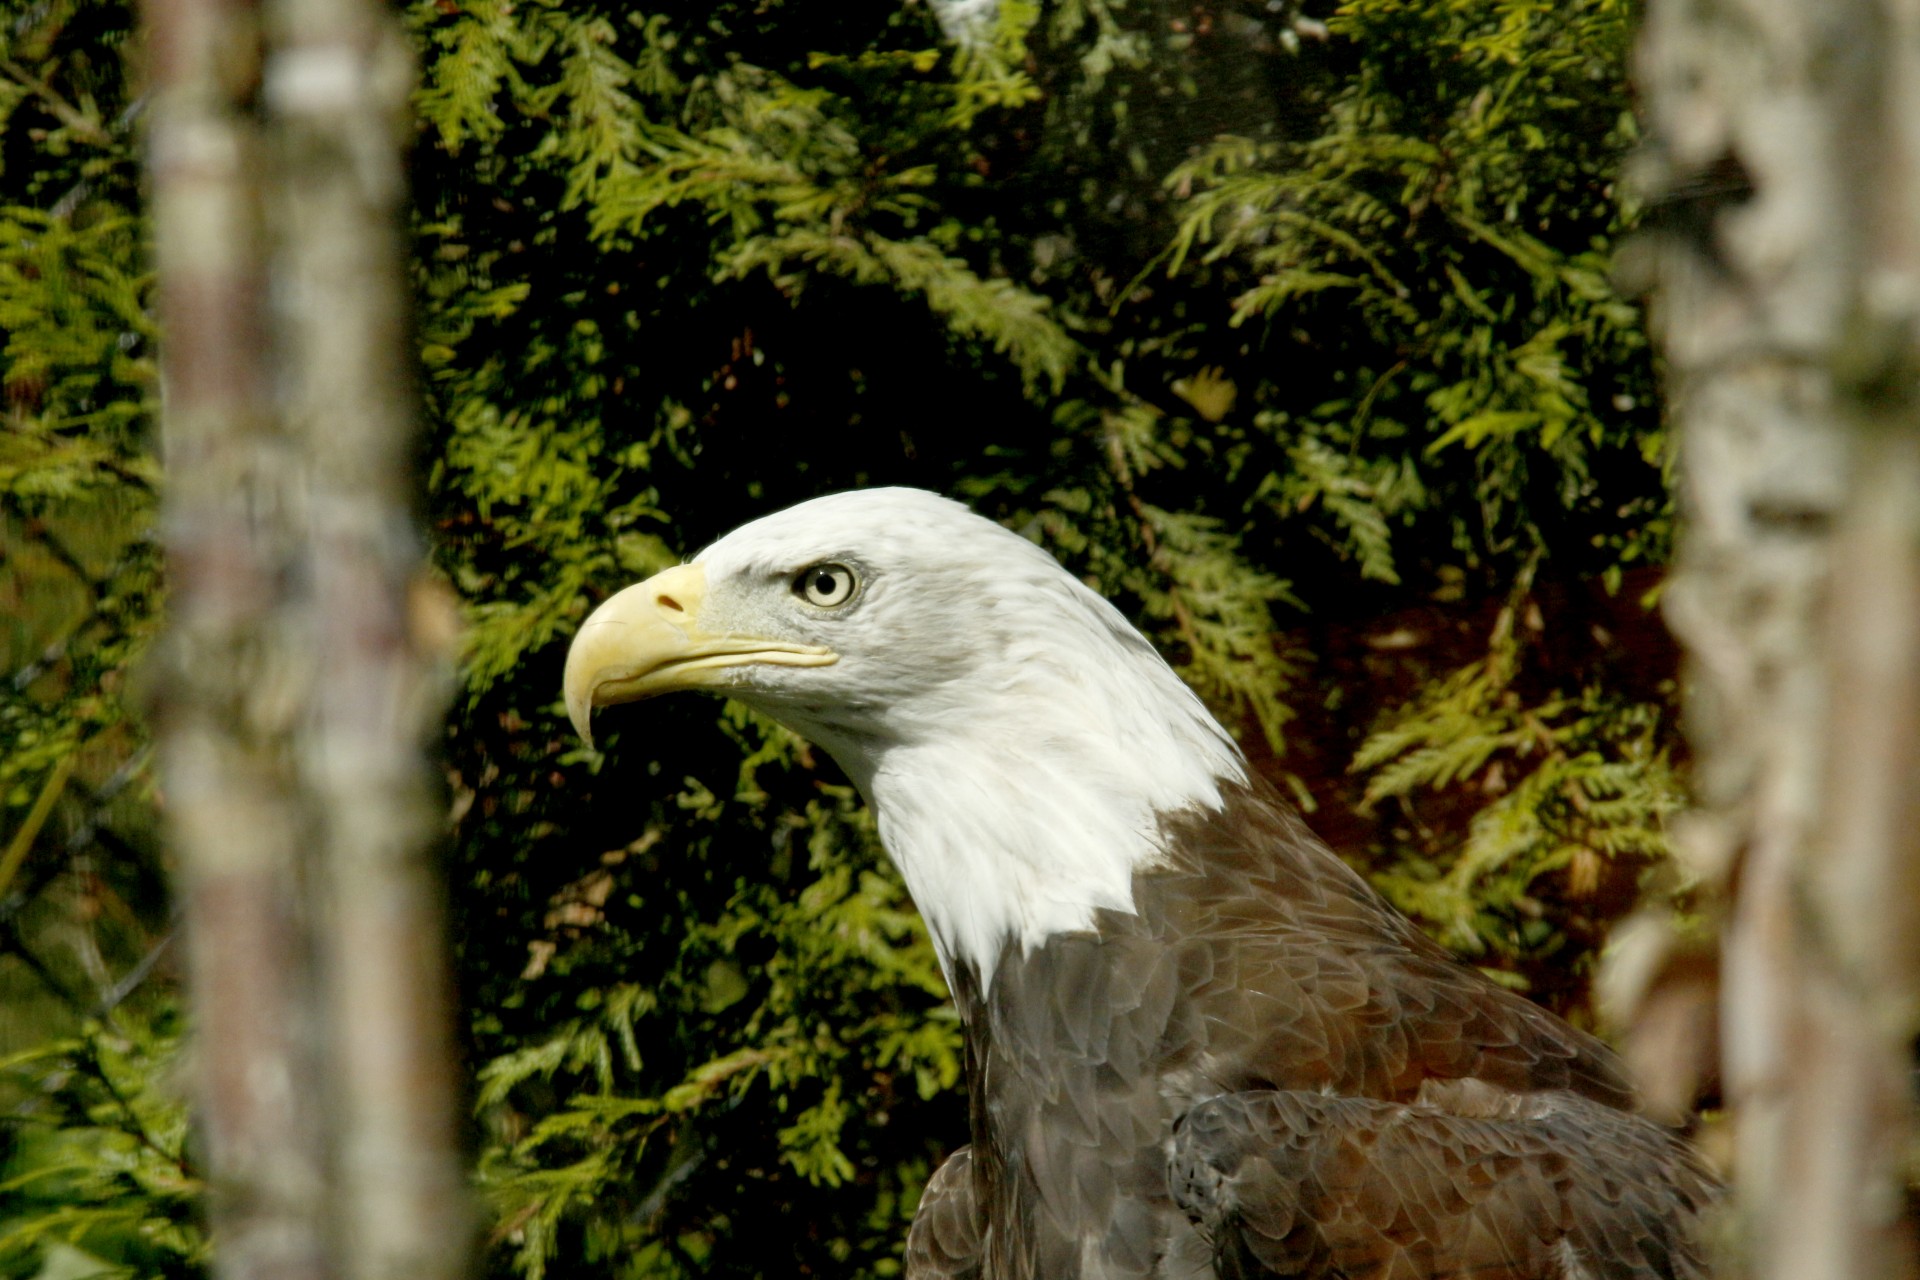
(826, 585)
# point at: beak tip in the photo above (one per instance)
(581, 714)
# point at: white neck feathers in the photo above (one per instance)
(1017, 817)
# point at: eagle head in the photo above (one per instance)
(1018, 738)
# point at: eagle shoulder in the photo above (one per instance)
(1308, 979)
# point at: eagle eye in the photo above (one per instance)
(825, 585)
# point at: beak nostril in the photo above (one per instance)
(666, 601)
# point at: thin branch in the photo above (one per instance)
(81, 125)
(36, 818)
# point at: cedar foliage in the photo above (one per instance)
(1293, 333)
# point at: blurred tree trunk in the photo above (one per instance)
(306, 665)
(1784, 177)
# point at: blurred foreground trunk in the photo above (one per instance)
(305, 665)
(1784, 180)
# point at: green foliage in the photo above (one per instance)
(1304, 351)
(837, 1018)
(76, 479)
(1453, 221)
(1571, 791)
(79, 572)
(94, 1174)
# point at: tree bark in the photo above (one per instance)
(307, 652)
(1784, 176)
(337, 79)
(228, 713)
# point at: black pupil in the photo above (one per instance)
(824, 583)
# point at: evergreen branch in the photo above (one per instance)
(81, 125)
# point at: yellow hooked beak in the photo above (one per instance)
(647, 640)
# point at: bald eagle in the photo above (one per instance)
(1197, 1043)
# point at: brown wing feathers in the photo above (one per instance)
(1339, 990)
(1351, 1101)
(944, 1243)
(1288, 1184)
